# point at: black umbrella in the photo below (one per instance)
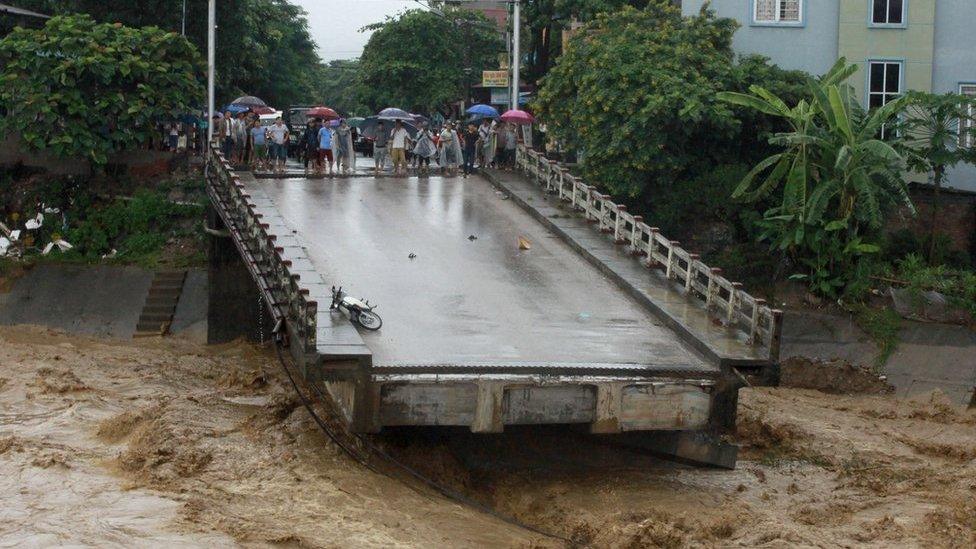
(368, 127)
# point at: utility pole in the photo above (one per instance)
(516, 50)
(211, 58)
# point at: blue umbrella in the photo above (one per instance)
(394, 114)
(235, 109)
(483, 111)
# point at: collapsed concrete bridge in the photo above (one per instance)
(601, 322)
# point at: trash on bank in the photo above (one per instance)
(62, 245)
(524, 244)
(35, 222)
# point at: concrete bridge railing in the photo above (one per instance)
(721, 297)
(281, 288)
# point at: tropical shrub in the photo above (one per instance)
(931, 131)
(836, 177)
(84, 90)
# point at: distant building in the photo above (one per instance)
(900, 45)
(492, 9)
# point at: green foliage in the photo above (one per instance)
(85, 90)
(635, 95)
(836, 179)
(903, 242)
(932, 128)
(263, 46)
(421, 61)
(339, 88)
(137, 228)
(931, 132)
(882, 326)
(957, 285)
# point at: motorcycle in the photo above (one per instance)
(360, 311)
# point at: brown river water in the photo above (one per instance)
(168, 443)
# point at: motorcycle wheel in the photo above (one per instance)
(369, 320)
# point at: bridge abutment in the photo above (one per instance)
(235, 308)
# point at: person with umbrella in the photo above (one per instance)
(510, 140)
(424, 150)
(346, 156)
(379, 146)
(400, 139)
(325, 148)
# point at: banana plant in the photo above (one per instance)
(836, 175)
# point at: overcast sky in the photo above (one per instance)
(335, 24)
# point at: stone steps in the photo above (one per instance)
(160, 305)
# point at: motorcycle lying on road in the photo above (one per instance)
(360, 311)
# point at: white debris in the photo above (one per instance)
(4, 244)
(47, 249)
(35, 223)
(52, 210)
(111, 255)
(63, 245)
(14, 235)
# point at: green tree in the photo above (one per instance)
(338, 87)
(635, 95)
(85, 90)
(835, 175)
(422, 61)
(932, 130)
(263, 46)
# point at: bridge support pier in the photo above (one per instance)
(235, 307)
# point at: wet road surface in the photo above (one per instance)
(461, 300)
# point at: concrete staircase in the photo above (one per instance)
(157, 312)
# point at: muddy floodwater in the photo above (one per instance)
(170, 444)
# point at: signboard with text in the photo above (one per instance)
(494, 79)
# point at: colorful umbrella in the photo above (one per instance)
(355, 122)
(419, 119)
(324, 113)
(249, 101)
(394, 114)
(517, 116)
(262, 110)
(483, 111)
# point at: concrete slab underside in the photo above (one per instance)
(479, 303)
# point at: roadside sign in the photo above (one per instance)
(494, 79)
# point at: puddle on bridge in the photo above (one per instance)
(169, 443)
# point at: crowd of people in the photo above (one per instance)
(453, 145)
(245, 139)
(326, 147)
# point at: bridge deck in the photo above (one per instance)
(461, 303)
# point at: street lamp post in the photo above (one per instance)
(516, 24)
(211, 57)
